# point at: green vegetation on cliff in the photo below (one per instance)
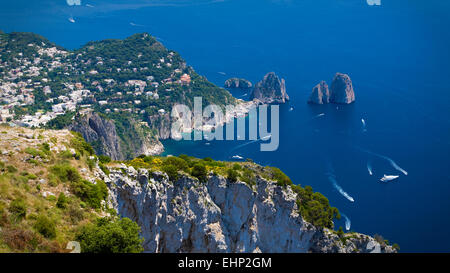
(49, 196)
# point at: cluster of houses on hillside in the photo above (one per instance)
(26, 74)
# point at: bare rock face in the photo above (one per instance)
(320, 94)
(162, 124)
(103, 136)
(270, 90)
(96, 129)
(237, 83)
(342, 89)
(189, 216)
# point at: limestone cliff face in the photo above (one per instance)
(320, 94)
(162, 124)
(100, 132)
(219, 216)
(270, 90)
(342, 89)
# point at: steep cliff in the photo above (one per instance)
(320, 94)
(161, 124)
(106, 139)
(101, 133)
(221, 216)
(342, 89)
(270, 90)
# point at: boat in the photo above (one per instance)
(387, 178)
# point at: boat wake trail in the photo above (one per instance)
(390, 160)
(369, 168)
(251, 142)
(243, 145)
(348, 223)
(332, 178)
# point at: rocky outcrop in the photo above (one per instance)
(100, 132)
(162, 124)
(320, 94)
(342, 89)
(238, 83)
(219, 216)
(270, 90)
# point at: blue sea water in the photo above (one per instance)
(397, 55)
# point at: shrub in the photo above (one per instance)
(148, 159)
(104, 168)
(79, 144)
(110, 236)
(315, 208)
(76, 214)
(31, 176)
(187, 158)
(340, 232)
(199, 171)
(232, 175)
(20, 239)
(91, 163)
(91, 193)
(104, 159)
(237, 167)
(45, 226)
(45, 147)
(34, 152)
(11, 169)
(139, 163)
(65, 173)
(179, 163)
(248, 177)
(171, 171)
(18, 208)
(62, 201)
(66, 154)
(280, 177)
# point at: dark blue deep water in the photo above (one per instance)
(397, 55)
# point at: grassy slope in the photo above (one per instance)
(29, 185)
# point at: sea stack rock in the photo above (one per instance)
(320, 94)
(270, 90)
(238, 83)
(342, 89)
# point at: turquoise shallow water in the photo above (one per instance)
(396, 54)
